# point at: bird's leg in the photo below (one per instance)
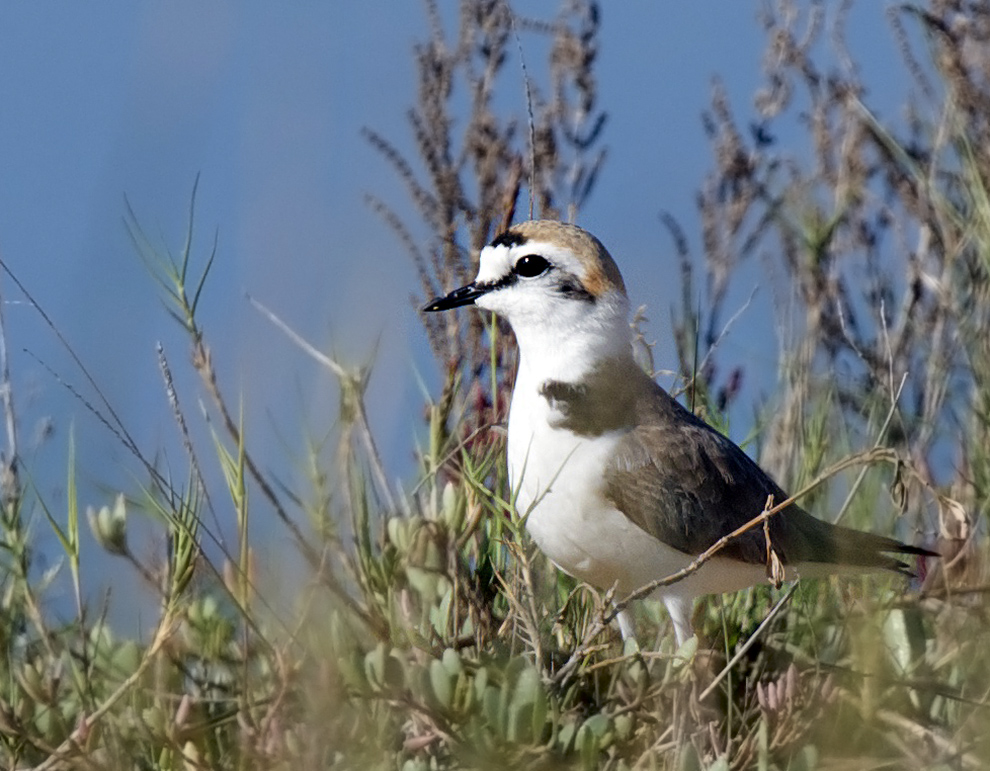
(627, 627)
(679, 609)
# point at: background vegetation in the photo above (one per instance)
(428, 632)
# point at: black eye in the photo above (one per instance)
(530, 266)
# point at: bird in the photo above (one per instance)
(620, 484)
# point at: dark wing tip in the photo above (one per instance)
(916, 571)
(920, 551)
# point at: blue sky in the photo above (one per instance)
(265, 102)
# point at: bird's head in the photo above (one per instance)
(550, 281)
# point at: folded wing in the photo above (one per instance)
(687, 485)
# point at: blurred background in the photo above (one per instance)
(798, 195)
(266, 103)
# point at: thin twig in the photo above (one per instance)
(880, 435)
(778, 606)
(123, 432)
(725, 330)
(7, 394)
(180, 420)
(607, 616)
(72, 745)
(530, 117)
(364, 429)
(869, 456)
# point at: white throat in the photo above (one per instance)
(566, 347)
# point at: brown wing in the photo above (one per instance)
(687, 485)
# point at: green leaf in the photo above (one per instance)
(351, 666)
(398, 533)
(689, 760)
(395, 671)
(566, 735)
(480, 682)
(452, 508)
(588, 743)
(452, 662)
(623, 725)
(493, 709)
(688, 649)
(539, 715)
(806, 759)
(527, 707)
(442, 684)
(374, 666)
(598, 725)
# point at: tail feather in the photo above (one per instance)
(813, 540)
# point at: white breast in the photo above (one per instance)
(558, 478)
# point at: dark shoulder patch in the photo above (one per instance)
(509, 238)
(590, 408)
(558, 391)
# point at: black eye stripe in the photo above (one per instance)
(530, 266)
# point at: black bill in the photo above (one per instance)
(466, 295)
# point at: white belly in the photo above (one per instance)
(558, 478)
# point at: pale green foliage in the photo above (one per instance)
(426, 631)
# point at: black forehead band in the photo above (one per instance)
(510, 239)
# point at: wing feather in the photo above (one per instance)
(687, 485)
